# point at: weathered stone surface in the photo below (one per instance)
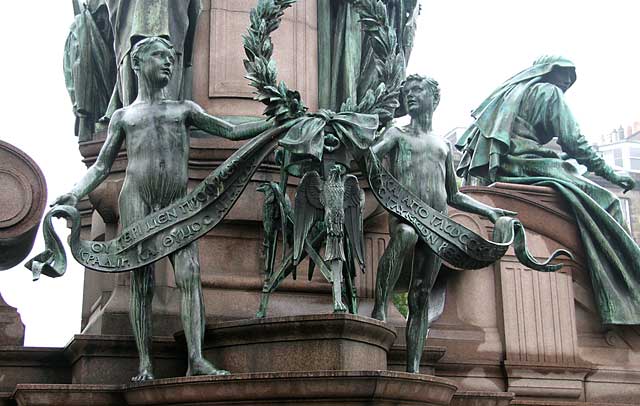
(68, 395)
(321, 388)
(22, 202)
(32, 365)
(11, 326)
(336, 342)
(218, 73)
(113, 360)
(471, 398)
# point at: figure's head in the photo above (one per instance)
(153, 59)
(100, 14)
(422, 94)
(562, 73)
(95, 5)
(266, 188)
(336, 171)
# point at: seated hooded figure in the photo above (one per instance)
(507, 144)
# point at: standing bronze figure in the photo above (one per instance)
(155, 129)
(421, 162)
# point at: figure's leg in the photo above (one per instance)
(425, 270)
(85, 128)
(142, 284)
(186, 267)
(133, 208)
(403, 240)
(336, 274)
(348, 273)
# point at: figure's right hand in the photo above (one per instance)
(67, 199)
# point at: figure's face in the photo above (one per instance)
(101, 18)
(419, 98)
(561, 77)
(156, 63)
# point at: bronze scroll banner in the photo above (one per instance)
(176, 226)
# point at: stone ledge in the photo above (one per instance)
(299, 343)
(34, 365)
(302, 388)
(546, 380)
(68, 395)
(477, 398)
(113, 359)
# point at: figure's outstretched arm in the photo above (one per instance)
(560, 121)
(460, 201)
(386, 143)
(100, 169)
(221, 128)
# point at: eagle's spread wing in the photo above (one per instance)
(307, 210)
(353, 212)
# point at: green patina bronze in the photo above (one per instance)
(89, 66)
(347, 56)
(135, 20)
(159, 217)
(507, 144)
(418, 189)
(324, 142)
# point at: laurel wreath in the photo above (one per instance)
(284, 104)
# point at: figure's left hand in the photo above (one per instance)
(626, 182)
(496, 213)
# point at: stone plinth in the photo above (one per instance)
(103, 359)
(330, 342)
(32, 365)
(312, 360)
(344, 388)
(348, 388)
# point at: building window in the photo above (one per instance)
(608, 157)
(617, 158)
(634, 158)
(626, 213)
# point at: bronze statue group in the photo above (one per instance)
(506, 143)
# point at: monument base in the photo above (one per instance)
(320, 388)
(326, 342)
(329, 359)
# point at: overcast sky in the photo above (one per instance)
(469, 46)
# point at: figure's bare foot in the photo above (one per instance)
(144, 375)
(201, 366)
